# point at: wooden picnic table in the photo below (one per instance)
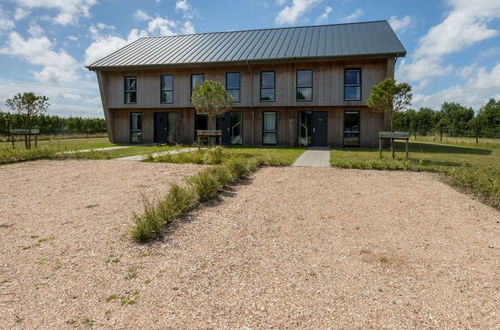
(209, 133)
(28, 132)
(393, 136)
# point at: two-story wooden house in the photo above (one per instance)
(290, 86)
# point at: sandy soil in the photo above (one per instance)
(292, 247)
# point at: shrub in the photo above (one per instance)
(213, 156)
(238, 167)
(204, 185)
(222, 174)
(149, 224)
(177, 201)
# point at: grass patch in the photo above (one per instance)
(219, 155)
(474, 169)
(204, 185)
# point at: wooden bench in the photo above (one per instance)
(209, 133)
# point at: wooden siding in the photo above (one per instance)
(328, 84)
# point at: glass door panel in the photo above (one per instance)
(305, 128)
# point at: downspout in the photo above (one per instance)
(251, 103)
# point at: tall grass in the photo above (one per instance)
(204, 185)
(13, 155)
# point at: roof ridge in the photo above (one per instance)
(266, 29)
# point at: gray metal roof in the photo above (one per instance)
(305, 43)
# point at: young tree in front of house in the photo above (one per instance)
(391, 97)
(211, 99)
(28, 105)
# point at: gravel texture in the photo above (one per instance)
(289, 248)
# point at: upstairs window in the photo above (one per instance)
(130, 90)
(267, 86)
(167, 88)
(196, 80)
(304, 85)
(233, 84)
(352, 85)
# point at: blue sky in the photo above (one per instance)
(453, 45)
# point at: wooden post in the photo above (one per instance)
(392, 149)
(36, 141)
(407, 144)
(25, 141)
(12, 140)
(380, 147)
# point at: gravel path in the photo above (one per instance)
(292, 247)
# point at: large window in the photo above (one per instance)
(167, 88)
(267, 86)
(351, 128)
(135, 127)
(352, 84)
(269, 127)
(196, 80)
(304, 85)
(130, 90)
(233, 85)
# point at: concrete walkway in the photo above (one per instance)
(158, 154)
(95, 149)
(314, 157)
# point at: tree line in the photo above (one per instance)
(49, 124)
(452, 119)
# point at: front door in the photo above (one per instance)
(313, 127)
(161, 127)
(319, 121)
(231, 123)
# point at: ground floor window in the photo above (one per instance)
(136, 127)
(351, 128)
(269, 128)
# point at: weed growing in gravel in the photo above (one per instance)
(200, 187)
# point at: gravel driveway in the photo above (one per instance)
(292, 247)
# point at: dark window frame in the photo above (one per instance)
(274, 86)
(297, 85)
(166, 90)
(191, 83)
(125, 90)
(275, 131)
(134, 130)
(353, 85)
(343, 129)
(235, 89)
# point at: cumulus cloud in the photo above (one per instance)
(354, 16)
(105, 40)
(400, 24)
(68, 10)
(292, 12)
(479, 87)
(20, 13)
(57, 66)
(465, 25)
(6, 23)
(324, 15)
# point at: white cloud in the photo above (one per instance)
(161, 26)
(465, 25)
(400, 24)
(20, 14)
(35, 30)
(187, 28)
(291, 13)
(6, 23)
(324, 15)
(72, 38)
(490, 52)
(58, 66)
(141, 16)
(475, 92)
(68, 10)
(354, 16)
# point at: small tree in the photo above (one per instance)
(390, 97)
(28, 105)
(441, 125)
(211, 99)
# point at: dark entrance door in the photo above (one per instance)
(319, 120)
(161, 127)
(230, 123)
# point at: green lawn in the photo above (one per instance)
(268, 156)
(69, 144)
(476, 169)
(461, 141)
